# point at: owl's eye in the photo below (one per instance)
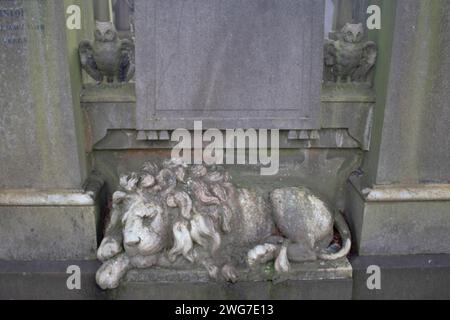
(109, 33)
(349, 34)
(98, 33)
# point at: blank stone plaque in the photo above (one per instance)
(230, 63)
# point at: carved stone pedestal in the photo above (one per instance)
(310, 280)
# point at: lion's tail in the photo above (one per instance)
(344, 231)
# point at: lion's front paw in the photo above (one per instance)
(213, 270)
(282, 261)
(229, 273)
(262, 253)
(110, 273)
(109, 248)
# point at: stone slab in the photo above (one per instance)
(312, 280)
(410, 277)
(118, 93)
(39, 280)
(289, 290)
(402, 277)
(39, 136)
(232, 64)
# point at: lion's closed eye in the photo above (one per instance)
(149, 211)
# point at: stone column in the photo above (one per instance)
(348, 11)
(401, 203)
(101, 10)
(343, 13)
(359, 11)
(44, 211)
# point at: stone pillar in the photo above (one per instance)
(359, 11)
(401, 203)
(343, 13)
(101, 10)
(44, 211)
(347, 11)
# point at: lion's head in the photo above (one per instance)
(184, 210)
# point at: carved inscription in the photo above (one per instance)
(13, 25)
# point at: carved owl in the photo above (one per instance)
(348, 58)
(108, 56)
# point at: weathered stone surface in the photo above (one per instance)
(299, 214)
(39, 136)
(47, 280)
(408, 277)
(313, 280)
(403, 277)
(392, 208)
(345, 119)
(256, 218)
(108, 93)
(323, 164)
(410, 141)
(233, 64)
(390, 220)
(288, 290)
(47, 226)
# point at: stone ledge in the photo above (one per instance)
(47, 280)
(387, 193)
(314, 270)
(125, 92)
(93, 93)
(34, 197)
(310, 280)
(351, 92)
(402, 277)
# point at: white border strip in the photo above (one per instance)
(419, 192)
(32, 197)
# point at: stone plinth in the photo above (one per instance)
(399, 219)
(312, 280)
(48, 225)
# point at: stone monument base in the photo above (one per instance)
(310, 280)
(402, 277)
(399, 219)
(48, 225)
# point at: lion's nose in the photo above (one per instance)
(132, 241)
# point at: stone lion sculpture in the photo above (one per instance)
(179, 216)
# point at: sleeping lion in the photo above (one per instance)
(179, 216)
